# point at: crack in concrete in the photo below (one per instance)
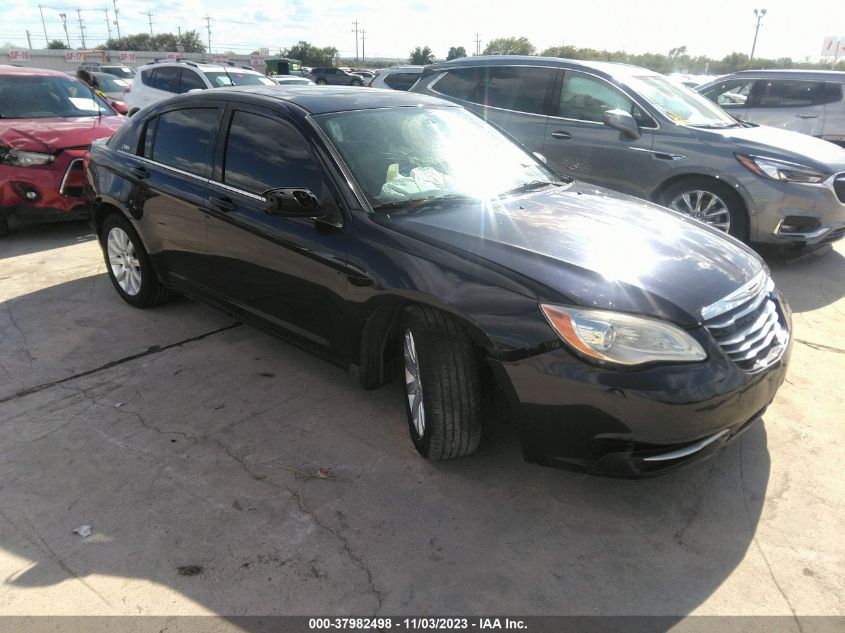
(154, 349)
(758, 547)
(8, 305)
(820, 347)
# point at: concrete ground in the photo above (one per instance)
(189, 443)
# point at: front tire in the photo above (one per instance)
(441, 385)
(320, 82)
(711, 202)
(128, 264)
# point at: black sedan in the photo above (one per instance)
(397, 234)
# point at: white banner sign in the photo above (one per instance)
(220, 58)
(256, 60)
(127, 57)
(17, 55)
(832, 46)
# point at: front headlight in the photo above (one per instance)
(781, 170)
(20, 158)
(624, 339)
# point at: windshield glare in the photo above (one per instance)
(679, 103)
(413, 153)
(40, 97)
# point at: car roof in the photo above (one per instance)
(609, 69)
(199, 65)
(820, 75)
(30, 72)
(403, 69)
(324, 99)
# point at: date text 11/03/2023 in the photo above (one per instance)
(429, 624)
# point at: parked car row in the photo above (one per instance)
(477, 256)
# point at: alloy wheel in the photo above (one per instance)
(413, 386)
(705, 206)
(124, 261)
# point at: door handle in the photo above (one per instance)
(223, 204)
(561, 134)
(139, 172)
(807, 116)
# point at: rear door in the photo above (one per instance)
(516, 98)
(168, 180)
(790, 104)
(579, 144)
(287, 271)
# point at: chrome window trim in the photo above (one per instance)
(182, 172)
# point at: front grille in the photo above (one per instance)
(839, 187)
(749, 324)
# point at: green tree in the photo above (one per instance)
(456, 52)
(311, 55)
(509, 46)
(421, 56)
(191, 40)
(57, 45)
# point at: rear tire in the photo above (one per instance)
(357, 83)
(128, 264)
(320, 82)
(441, 384)
(700, 192)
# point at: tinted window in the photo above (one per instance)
(586, 98)
(190, 81)
(461, 83)
(147, 77)
(730, 94)
(166, 78)
(147, 137)
(786, 93)
(832, 93)
(263, 154)
(401, 81)
(519, 88)
(184, 139)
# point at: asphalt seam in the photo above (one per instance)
(819, 347)
(153, 349)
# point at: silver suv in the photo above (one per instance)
(808, 101)
(633, 130)
(163, 79)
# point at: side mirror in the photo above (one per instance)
(294, 203)
(622, 121)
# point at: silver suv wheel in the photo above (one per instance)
(705, 206)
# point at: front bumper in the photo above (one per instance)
(44, 192)
(791, 213)
(633, 423)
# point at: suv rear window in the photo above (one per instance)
(520, 88)
(401, 81)
(184, 138)
(166, 78)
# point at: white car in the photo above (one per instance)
(397, 77)
(163, 79)
(291, 80)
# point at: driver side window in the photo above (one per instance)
(586, 98)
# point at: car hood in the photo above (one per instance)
(594, 247)
(52, 135)
(777, 143)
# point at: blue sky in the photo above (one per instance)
(394, 28)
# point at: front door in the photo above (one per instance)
(789, 104)
(289, 272)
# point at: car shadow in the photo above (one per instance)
(810, 281)
(33, 238)
(198, 467)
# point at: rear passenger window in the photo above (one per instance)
(147, 77)
(729, 94)
(184, 138)
(787, 93)
(145, 148)
(190, 81)
(166, 78)
(461, 83)
(401, 81)
(520, 88)
(262, 154)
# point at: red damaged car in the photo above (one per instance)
(47, 122)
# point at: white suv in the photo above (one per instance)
(163, 79)
(397, 77)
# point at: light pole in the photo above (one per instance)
(759, 13)
(63, 16)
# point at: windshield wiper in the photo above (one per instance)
(420, 203)
(532, 185)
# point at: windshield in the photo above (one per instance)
(124, 72)
(109, 83)
(679, 103)
(410, 154)
(42, 97)
(237, 78)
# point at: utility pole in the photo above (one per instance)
(355, 23)
(116, 20)
(363, 53)
(208, 30)
(150, 20)
(81, 27)
(108, 24)
(44, 24)
(29, 39)
(759, 13)
(477, 44)
(63, 16)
